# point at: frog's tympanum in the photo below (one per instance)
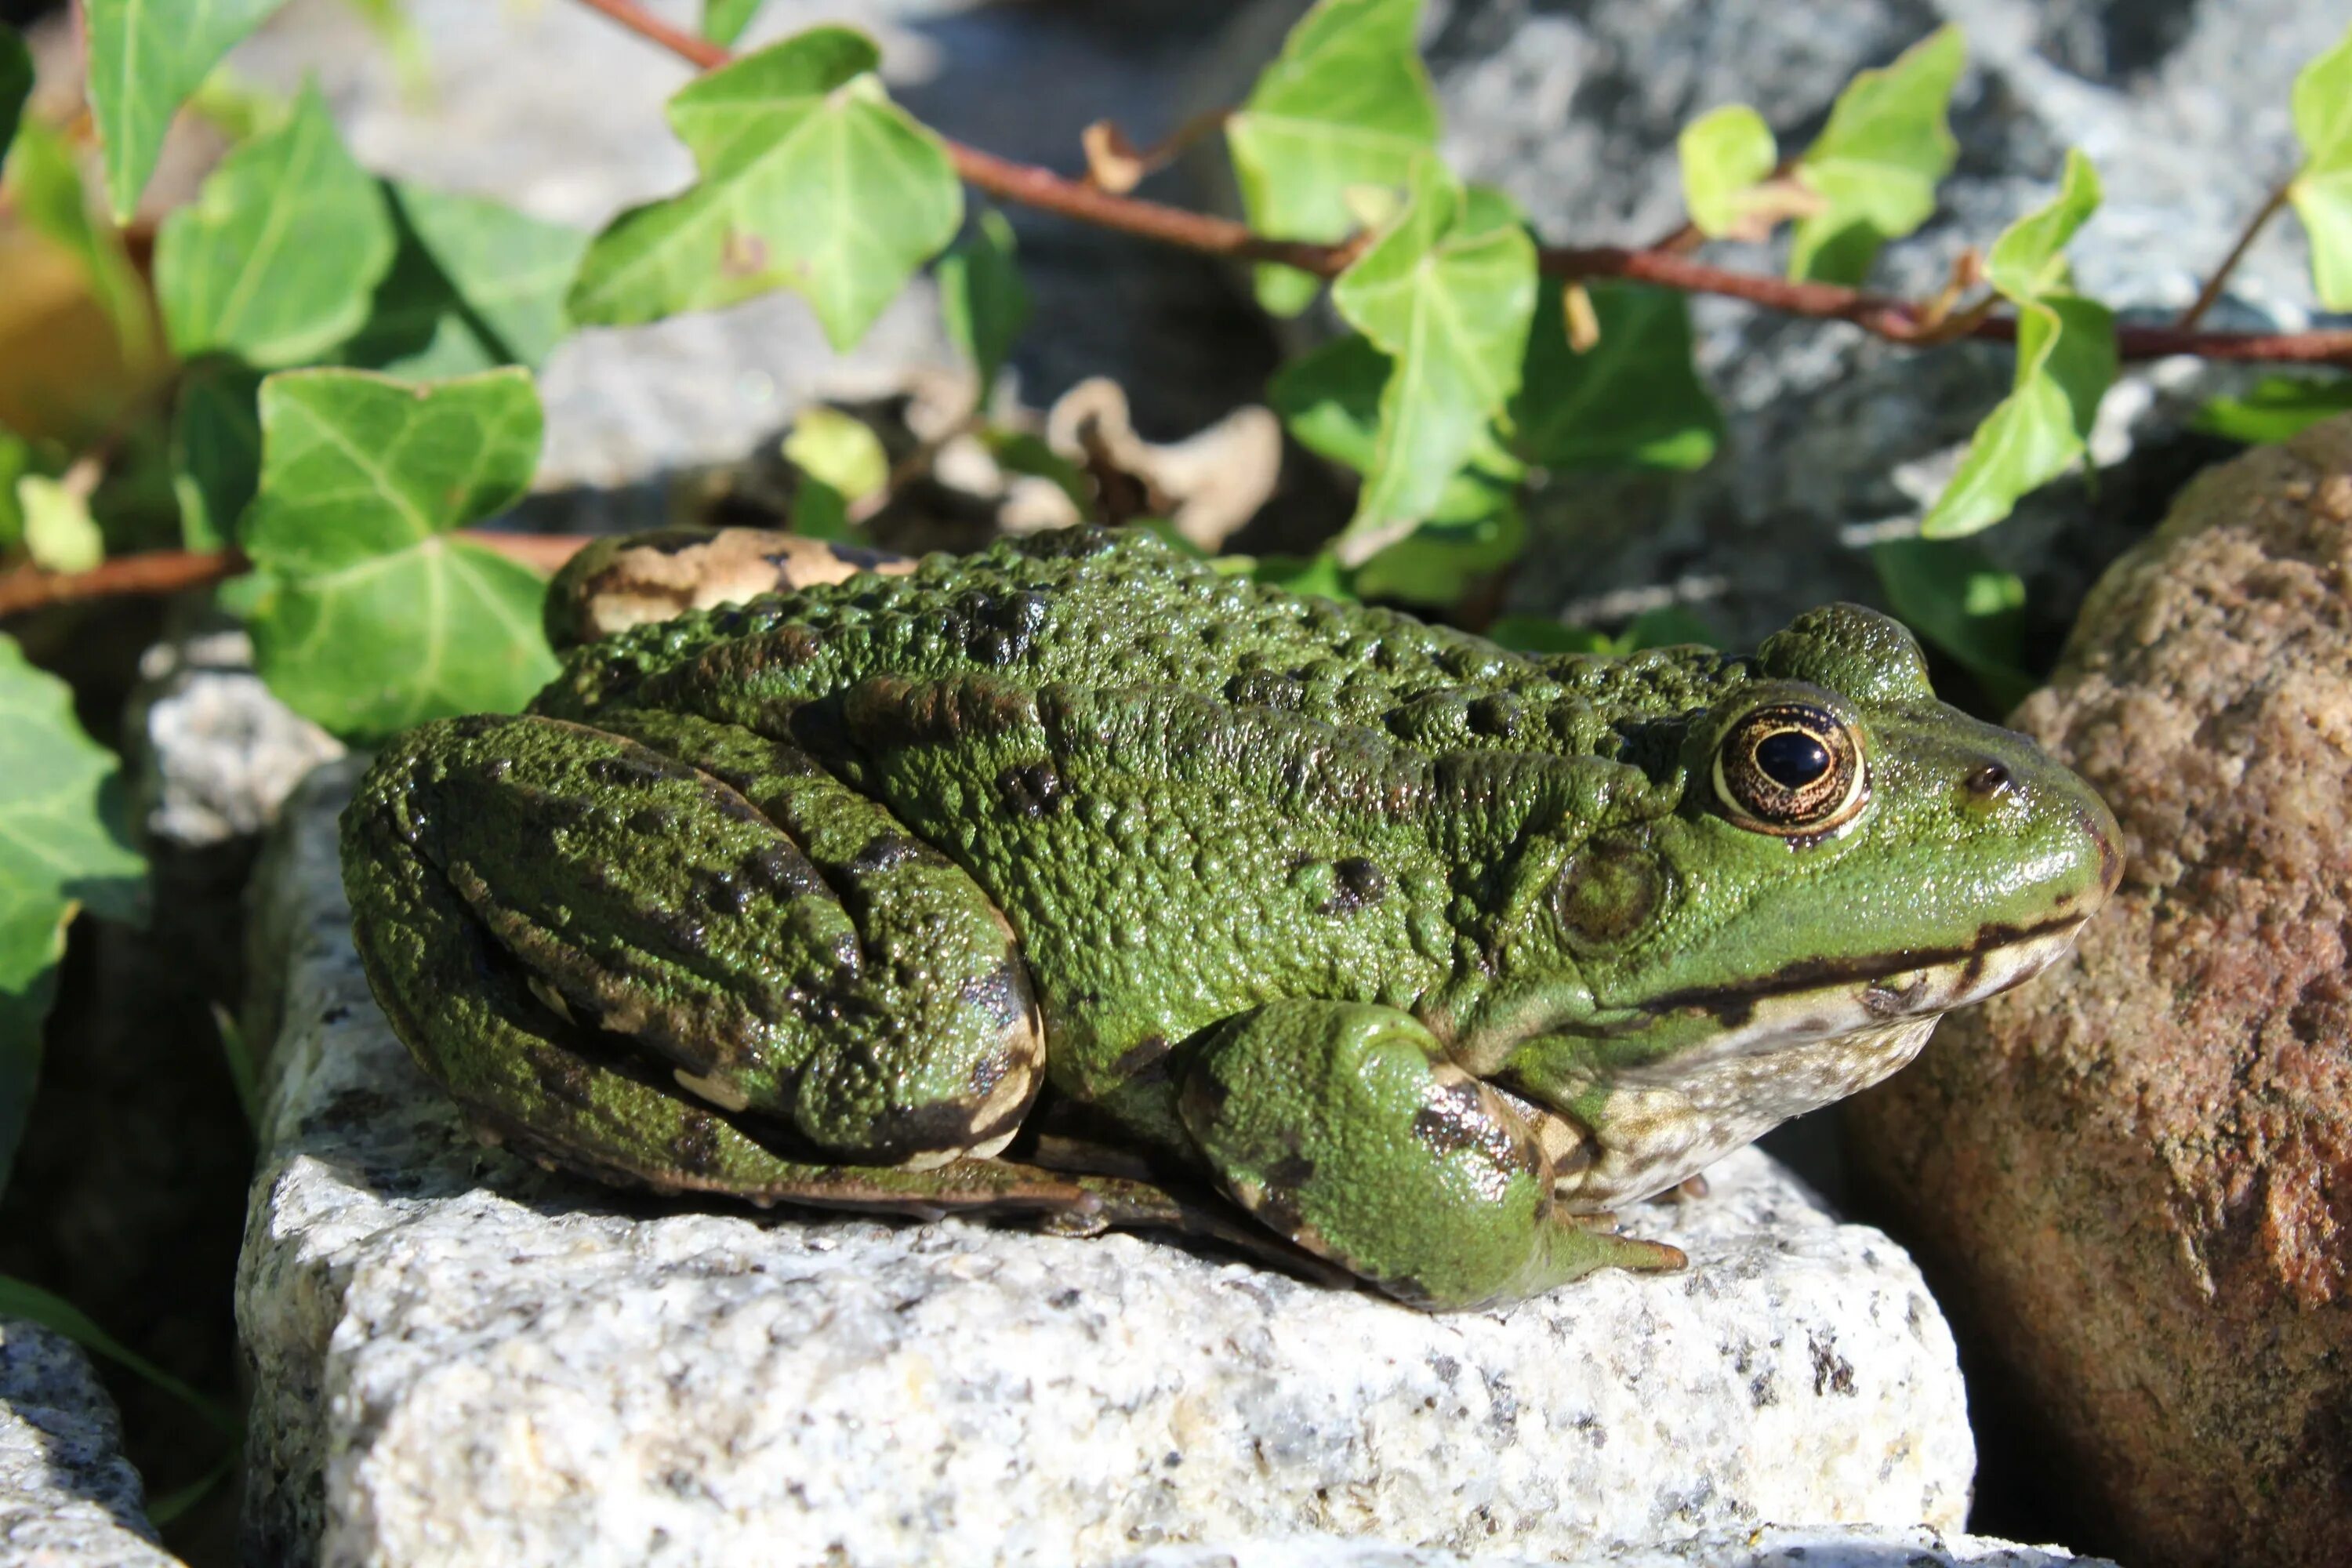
(1425, 952)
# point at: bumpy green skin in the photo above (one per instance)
(1374, 921)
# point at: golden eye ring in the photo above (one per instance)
(1791, 769)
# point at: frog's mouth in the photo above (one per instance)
(1823, 999)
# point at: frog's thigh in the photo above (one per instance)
(799, 956)
(1339, 1125)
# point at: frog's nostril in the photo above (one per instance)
(1987, 781)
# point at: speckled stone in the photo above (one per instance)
(1774, 1546)
(67, 1497)
(2132, 1181)
(458, 1359)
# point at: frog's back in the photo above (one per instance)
(1092, 609)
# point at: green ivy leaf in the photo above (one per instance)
(2065, 363)
(63, 845)
(375, 618)
(1446, 293)
(2029, 260)
(1321, 576)
(1345, 104)
(981, 296)
(60, 533)
(145, 58)
(1439, 563)
(15, 84)
(1541, 633)
(473, 285)
(1331, 399)
(1951, 592)
(2278, 406)
(1634, 397)
(1725, 153)
(812, 180)
(841, 461)
(2321, 191)
(1876, 162)
(275, 259)
(51, 196)
(723, 21)
(216, 449)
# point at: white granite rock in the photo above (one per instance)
(1774, 1546)
(67, 1497)
(458, 1358)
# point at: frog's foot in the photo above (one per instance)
(648, 966)
(1340, 1126)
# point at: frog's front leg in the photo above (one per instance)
(607, 946)
(1341, 1126)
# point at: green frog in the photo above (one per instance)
(904, 889)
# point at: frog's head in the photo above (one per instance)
(1845, 855)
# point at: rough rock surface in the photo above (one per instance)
(2135, 1179)
(67, 1497)
(459, 1359)
(1774, 1546)
(1836, 439)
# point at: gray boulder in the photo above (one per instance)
(458, 1359)
(67, 1497)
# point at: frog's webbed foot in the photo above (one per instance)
(606, 953)
(1340, 1126)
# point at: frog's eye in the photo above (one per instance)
(1791, 769)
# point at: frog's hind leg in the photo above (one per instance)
(548, 911)
(1341, 1126)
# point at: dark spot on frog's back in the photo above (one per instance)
(782, 871)
(888, 851)
(1357, 884)
(864, 560)
(1031, 790)
(696, 1146)
(628, 772)
(564, 1077)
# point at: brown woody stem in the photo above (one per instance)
(24, 588)
(2207, 295)
(1897, 321)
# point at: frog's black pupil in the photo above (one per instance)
(1791, 759)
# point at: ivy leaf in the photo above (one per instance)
(1447, 294)
(1951, 592)
(1347, 104)
(51, 196)
(375, 618)
(981, 296)
(2065, 363)
(1634, 397)
(277, 258)
(216, 449)
(1438, 563)
(723, 21)
(15, 84)
(1725, 153)
(841, 462)
(145, 58)
(2278, 406)
(60, 533)
(474, 284)
(62, 846)
(2321, 191)
(1876, 162)
(2029, 260)
(812, 180)
(1329, 397)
